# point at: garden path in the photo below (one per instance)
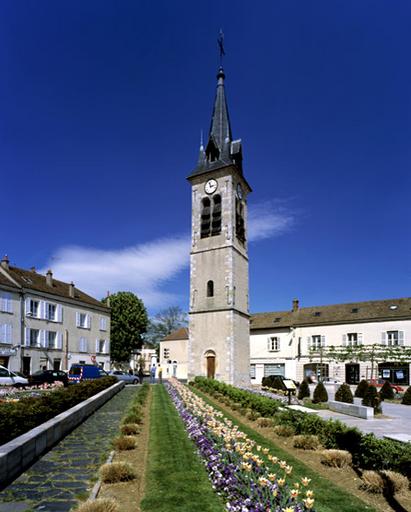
(64, 474)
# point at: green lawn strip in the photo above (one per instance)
(328, 496)
(176, 480)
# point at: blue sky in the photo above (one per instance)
(101, 109)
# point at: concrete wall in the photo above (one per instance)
(17, 455)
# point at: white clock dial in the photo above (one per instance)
(211, 186)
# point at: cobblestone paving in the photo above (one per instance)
(68, 471)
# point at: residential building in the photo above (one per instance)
(173, 354)
(294, 343)
(46, 323)
(147, 354)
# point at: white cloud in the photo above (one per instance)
(141, 269)
(267, 220)
(145, 269)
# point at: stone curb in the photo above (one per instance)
(18, 454)
(97, 486)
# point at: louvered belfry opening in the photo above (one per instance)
(211, 216)
(210, 289)
(216, 220)
(239, 220)
(205, 217)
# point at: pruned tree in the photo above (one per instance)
(129, 322)
(373, 353)
(164, 323)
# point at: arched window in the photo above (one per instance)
(216, 220)
(205, 217)
(210, 289)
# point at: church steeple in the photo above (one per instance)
(220, 150)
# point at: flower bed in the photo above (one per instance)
(13, 394)
(248, 476)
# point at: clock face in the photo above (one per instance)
(211, 186)
(240, 192)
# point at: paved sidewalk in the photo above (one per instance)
(65, 473)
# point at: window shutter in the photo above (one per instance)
(278, 344)
(9, 336)
(384, 338)
(88, 321)
(2, 304)
(59, 313)
(27, 307)
(2, 333)
(344, 340)
(360, 338)
(308, 343)
(323, 341)
(59, 340)
(43, 309)
(269, 344)
(107, 346)
(43, 338)
(9, 304)
(27, 337)
(77, 319)
(401, 338)
(97, 347)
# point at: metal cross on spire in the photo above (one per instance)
(220, 41)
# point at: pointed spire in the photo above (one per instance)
(220, 129)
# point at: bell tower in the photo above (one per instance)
(219, 329)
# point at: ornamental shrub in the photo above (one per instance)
(306, 442)
(274, 382)
(406, 399)
(386, 392)
(344, 394)
(303, 390)
(379, 481)
(361, 389)
(99, 505)
(320, 394)
(371, 399)
(117, 472)
(336, 458)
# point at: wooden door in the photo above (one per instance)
(210, 367)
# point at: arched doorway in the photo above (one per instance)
(210, 366)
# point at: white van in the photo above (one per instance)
(9, 378)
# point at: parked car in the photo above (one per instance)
(124, 376)
(379, 383)
(48, 377)
(80, 372)
(9, 378)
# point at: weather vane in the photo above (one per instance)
(220, 41)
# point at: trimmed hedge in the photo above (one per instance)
(303, 390)
(361, 389)
(368, 452)
(344, 394)
(320, 394)
(406, 399)
(16, 418)
(387, 392)
(265, 406)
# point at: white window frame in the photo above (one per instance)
(103, 323)
(49, 305)
(101, 346)
(274, 344)
(51, 339)
(83, 345)
(80, 315)
(6, 304)
(6, 333)
(34, 312)
(252, 370)
(317, 341)
(38, 338)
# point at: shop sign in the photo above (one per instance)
(7, 352)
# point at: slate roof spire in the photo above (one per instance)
(220, 149)
(220, 129)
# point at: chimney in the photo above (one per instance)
(49, 278)
(71, 290)
(5, 262)
(108, 299)
(296, 305)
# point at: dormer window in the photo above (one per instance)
(212, 151)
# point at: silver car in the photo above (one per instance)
(9, 378)
(124, 376)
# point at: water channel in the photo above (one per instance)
(67, 472)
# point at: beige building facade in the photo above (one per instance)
(46, 323)
(281, 342)
(219, 319)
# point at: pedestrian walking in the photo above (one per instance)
(153, 374)
(141, 374)
(160, 374)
